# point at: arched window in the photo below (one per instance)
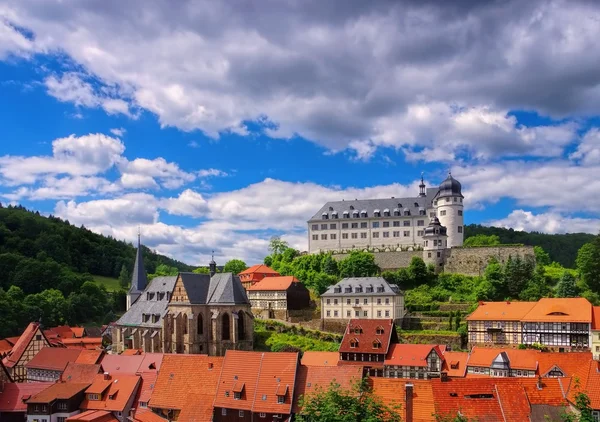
(240, 327)
(200, 324)
(185, 324)
(225, 327)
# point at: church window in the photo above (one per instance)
(185, 321)
(240, 327)
(200, 328)
(225, 327)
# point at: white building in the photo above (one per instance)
(364, 298)
(390, 223)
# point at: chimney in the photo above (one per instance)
(539, 383)
(106, 376)
(508, 302)
(444, 377)
(409, 403)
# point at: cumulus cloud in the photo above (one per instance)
(547, 223)
(588, 150)
(168, 173)
(344, 74)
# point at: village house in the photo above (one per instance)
(29, 344)
(56, 403)
(13, 399)
(112, 393)
(256, 273)
(273, 297)
(595, 335)
(503, 362)
(421, 361)
(454, 364)
(364, 298)
(49, 363)
(366, 343)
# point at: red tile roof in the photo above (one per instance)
(569, 363)
(151, 362)
(259, 268)
(552, 391)
(94, 416)
(80, 373)
(261, 376)
(63, 331)
(367, 336)
(311, 377)
(89, 356)
(274, 283)
(146, 388)
(120, 387)
(122, 364)
(596, 318)
(146, 415)
(572, 309)
(11, 398)
(187, 383)
(53, 358)
(457, 359)
(519, 359)
(21, 345)
(320, 358)
(58, 391)
(83, 343)
(513, 402)
(132, 352)
(392, 392)
(411, 354)
(501, 311)
(78, 331)
(5, 346)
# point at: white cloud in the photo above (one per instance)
(168, 173)
(212, 173)
(118, 132)
(188, 203)
(193, 144)
(588, 150)
(547, 223)
(138, 181)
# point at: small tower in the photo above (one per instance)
(436, 239)
(448, 204)
(138, 277)
(212, 266)
(422, 193)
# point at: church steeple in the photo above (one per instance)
(138, 276)
(212, 265)
(422, 187)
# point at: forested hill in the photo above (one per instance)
(562, 248)
(28, 236)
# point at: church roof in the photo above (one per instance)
(139, 281)
(221, 288)
(150, 303)
(370, 205)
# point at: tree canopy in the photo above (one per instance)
(234, 266)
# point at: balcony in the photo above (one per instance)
(356, 305)
(494, 330)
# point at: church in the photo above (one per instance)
(188, 313)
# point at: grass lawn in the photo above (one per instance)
(111, 284)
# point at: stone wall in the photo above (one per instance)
(472, 261)
(390, 260)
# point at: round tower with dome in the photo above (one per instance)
(448, 205)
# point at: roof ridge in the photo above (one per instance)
(262, 357)
(500, 402)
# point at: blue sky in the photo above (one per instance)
(216, 126)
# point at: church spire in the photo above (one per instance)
(422, 187)
(138, 277)
(212, 265)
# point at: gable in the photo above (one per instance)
(179, 292)
(37, 342)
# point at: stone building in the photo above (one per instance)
(273, 297)
(207, 314)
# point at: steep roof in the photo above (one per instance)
(89, 356)
(455, 363)
(320, 358)
(277, 377)
(259, 268)
(119, 387)
(312, 378)
(93, 416)
(14, 356)
(58, 391)
(80, 372)
(122, 364)
(13, 396)
(78, 331)
(367, 336)
(392, 392)
(150, 303)
(352, 283)
(90, 343)
(187, 383)
(138, 276)
(5, 346)
(411, 354)
(220, 289)
(501, 311)
(274, 283)
(53, 358)
(519, 359)
(572, 309)
(569, 363)
(596, 318)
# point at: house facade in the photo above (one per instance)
(56, 403)
(416, 361)
(29, 344)
(273, 297)
(112, 393)
(503, 362)
(249, 277)
(49, 363)
(363, 298)
(595, 335)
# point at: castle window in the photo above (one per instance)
(333, 236)
(315, 237)
(315, 227)
(386, 212)
(354, 235)
(354, 225)
(439, 254)
(406, 234)
(323, 226)
(323, 237)
(455, 199)
(332, 226)
(363, 235)
(344, 235)
(460, 229)
(420, 222)
(386, 224)
(375, 235)
(427, 243)
(447, 199)
(325, 216)
(355, 214)
(406, 223)
(344, 225)
(396, 212)
(442, 212)
(376, 213)
(364, 225)
(363, 213)
(346, 214)
(225, 327)
(460, 212)
(420, 232)
(386, 234)
(396, 234)
(375, 224)
(334, 215)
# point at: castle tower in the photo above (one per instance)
(448, 204)
(435, 243)
(139, 281)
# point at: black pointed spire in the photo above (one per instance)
(138, 277)
(422, 187)
(212, 265)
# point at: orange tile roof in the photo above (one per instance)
(500, 311)
(58, 391)
(132, 352)
(572, 309)
(146, 388)
(94, 416)
(83, 343)
(63, 331)
(587, 381)
(368, 336)
(13, 340)
(80, 373)
(552, 391)
(21, 345)
(311, 377)
(392, 392)
(89, 356)
(569, 363)
(274, 283)
(78, 331)
(259, 268)
(187, 383)
(320, 358)
(121, 388)
(146, 415)
(596, 318)
(513, 402)
(121, 364)
(458, 359)
(410, 354)
(263, 375)
(151, 362)
(53, 358)
(13, 395)
(5, 346)
(519, 359)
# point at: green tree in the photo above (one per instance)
(358, 264)
(588, 263)
(567, 286)
(163, 270)
(234, 266)
(336, 404)
(201, 270)
(418, 271)
(482, 240)
(517, 273)
(124, 277)
(541, 256)
(494, 274)
(277, 246)
(330, 265)
(450, 321)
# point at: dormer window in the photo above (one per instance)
(325, 216)
(363, 213)
(351, 207)
(396, 212)
(379, 331)
(280, 399)
(330, 208)
(357, 330)
(93, 396)
(454, 365)
(346, 214)
(380, 289)
(348, 290)
(334, 215)
(237, 396)
(355, 214)
(337, 290)
(406, 212)
(369, 289)
(376, 344)
(354, 343)
(358, 289)
(376, 213)
(386, 212)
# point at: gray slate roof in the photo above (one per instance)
(139, 281)
(371, 205)
(364, 282)
(152, 307)
(220, 289)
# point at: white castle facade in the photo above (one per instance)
(433, 221)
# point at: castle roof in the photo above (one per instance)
(350, 285)
(450, 187)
